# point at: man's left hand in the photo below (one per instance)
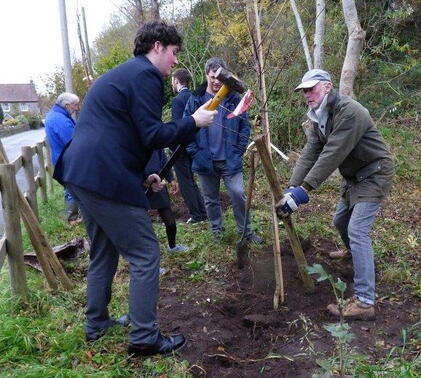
(292, 198)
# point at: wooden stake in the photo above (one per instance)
(28, 167)
(49, 166)
(42, 172)
(277, 194)
(13, 231)
(47, 258)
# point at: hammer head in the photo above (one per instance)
(231, 81)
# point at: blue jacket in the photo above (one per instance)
(236, 133)
(59, 127)
(118, 128)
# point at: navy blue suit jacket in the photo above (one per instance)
(118, 127)
(179, 103)
(177, 109)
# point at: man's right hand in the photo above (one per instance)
(204, 117)
(155, 182)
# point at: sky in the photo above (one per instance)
(31, 35)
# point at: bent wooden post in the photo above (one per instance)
(14, 246)
(277, 192)
(48, 260)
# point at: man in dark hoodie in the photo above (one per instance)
(217, 153)
(343, 136)
(118, 128)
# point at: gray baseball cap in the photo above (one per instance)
(312, 77)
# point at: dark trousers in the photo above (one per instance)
(115, 229)
(189, 189)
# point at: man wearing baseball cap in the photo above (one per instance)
(343, 136)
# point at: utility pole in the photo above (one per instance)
(88, 50)
(65, 44)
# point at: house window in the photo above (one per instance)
(6, 107)
(24, 107)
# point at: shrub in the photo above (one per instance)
(11, 123)
(22, 120)
(1, 115)
(34, 120)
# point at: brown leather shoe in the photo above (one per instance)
(340, 254)
(353, 309)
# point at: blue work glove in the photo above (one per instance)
(293, 197)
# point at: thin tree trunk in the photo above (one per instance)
(356, 37)
(254, 22)
(139, 14)
(155, 10)
(319, 34)
(302, 34)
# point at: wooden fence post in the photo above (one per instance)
(47, 258)
(28, 167)
(42, 173)
(49, 166)
(13, 231)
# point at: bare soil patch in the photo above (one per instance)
(233, 331)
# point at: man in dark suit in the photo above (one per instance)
(119, 126)
(189, 190)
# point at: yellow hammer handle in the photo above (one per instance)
(223, 91)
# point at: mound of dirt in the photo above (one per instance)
(233, 330)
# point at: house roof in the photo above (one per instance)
(18, 93)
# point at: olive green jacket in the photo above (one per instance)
(351, 143)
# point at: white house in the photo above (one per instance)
(20, 98)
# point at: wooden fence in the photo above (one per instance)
(11, 242)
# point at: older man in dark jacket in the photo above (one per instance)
(119, 126)
(344, 136)
(59, 128)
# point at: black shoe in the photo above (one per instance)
(255, 239)
(89, 337)
(98, 333)
(217, 237)
(164, 345)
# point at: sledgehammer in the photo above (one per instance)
(230, 83)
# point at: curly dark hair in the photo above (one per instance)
(154, 31)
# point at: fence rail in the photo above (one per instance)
(11, 243)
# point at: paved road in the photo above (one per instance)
(12, 145)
